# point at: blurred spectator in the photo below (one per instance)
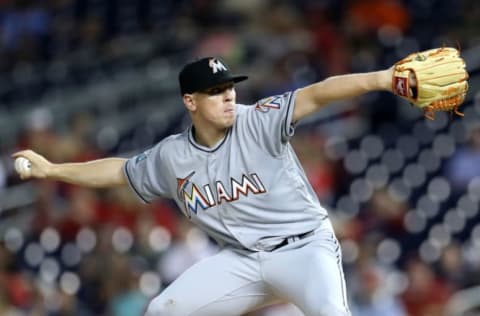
(25, 29)
(39, 134)
(78, 144)
(3, 177)
(126, 298)
(454, 269)
(319, 169)
(372, 298)
(48, 206)
(67, 305)
(426, 294)
(118, 207)
(464, 165)
(93, 275)
(467, 32)
(385, 213)
(330, 49)
(382, 215)
(371, 15)
(80, 213)
(6, 308)
(6, 262)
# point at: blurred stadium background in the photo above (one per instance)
(84, 79)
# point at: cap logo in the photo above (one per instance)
(216, 65)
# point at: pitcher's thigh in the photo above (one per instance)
(222, 285)
(312, 278)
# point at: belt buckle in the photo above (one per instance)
(291, 239)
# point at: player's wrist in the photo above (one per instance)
(52, 170)
(384, 79)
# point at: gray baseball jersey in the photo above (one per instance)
(248, 191)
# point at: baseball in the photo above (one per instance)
(22, 166)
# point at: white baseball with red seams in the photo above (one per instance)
(23, 166)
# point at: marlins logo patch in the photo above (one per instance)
(182, 184)
(141, 157)
(266, 104)
(216, 65)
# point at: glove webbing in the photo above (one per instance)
(450, 104)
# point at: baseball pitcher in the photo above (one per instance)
(234, 174)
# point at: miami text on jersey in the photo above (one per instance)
(213, 196)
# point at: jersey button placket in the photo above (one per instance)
(212, 171)
(212, 167)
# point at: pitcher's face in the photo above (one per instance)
(215, 105)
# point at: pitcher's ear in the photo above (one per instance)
(189, 102)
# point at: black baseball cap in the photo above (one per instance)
(205, 73)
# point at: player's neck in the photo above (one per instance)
(208, 137)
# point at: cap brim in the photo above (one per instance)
(207, 85)
(238, 78)
(223, 80)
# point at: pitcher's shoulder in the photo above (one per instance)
(173, 141)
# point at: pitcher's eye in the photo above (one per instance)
(214, 91)
(219, 89)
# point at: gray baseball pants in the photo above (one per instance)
(306, 272)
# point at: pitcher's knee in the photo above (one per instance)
(161, 306)
(327, 309)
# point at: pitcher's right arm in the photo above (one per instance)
(100, 173)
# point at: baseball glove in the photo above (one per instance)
(439, 80)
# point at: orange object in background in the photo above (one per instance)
(373, 14)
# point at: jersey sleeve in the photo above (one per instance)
(271, 122)
(146, 174)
